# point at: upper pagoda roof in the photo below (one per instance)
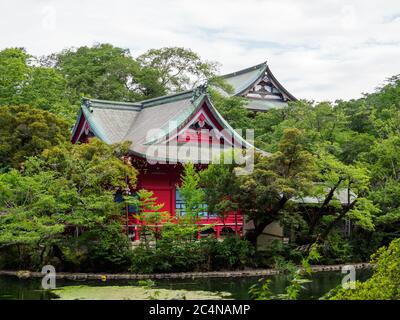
(258, 84)
(114, 122)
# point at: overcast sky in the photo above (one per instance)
(321, 50)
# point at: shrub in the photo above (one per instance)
(232, 253)
(336, 250)
(184, 256)
(385, 281)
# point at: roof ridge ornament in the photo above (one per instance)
(88, 104)
(198, 91)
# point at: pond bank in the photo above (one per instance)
(181, 275)
(12, 287)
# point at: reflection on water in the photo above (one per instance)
(322, 282)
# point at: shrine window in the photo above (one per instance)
(180, 206)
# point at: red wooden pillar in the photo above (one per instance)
(198, 233)
(136, 233)
(157, 230)
(218, 231)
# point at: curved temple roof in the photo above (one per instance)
(114, 122)
(148, 124)
(260, 87)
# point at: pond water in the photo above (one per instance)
(12, 288)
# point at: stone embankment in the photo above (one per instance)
(182, 275)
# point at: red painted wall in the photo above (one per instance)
(162, 182)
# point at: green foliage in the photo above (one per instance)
(261, 290)
(336, 250)
(167, 257)
(297, 277)
(179, 69)
(14, 72)
(191, 192)
(176, 255)
(26, 132)
(24, 82)
(64, 201)
(106, 72)
(103, 247)
(263, 194)
(385, 281)
(279, 255)
(350, 180)
(148, 212)
(220, 188)
(233, 252)
(233, 111)
(60, 205)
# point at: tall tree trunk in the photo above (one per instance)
(328, 229)
(326, 202)
(259, 226)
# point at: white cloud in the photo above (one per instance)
(317, 49)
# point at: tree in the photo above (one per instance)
(14, 73)
(148, 213)
(63, 201)
(383, 161)
(191, 192)
(106, 72)
(335, 177)
(232, 109)
(26, 206)
(26, 131)
(385, 281)
(24, 82)
(47, 90)
(221, 187)
(262, 195)
(179, 69)
(284, 175)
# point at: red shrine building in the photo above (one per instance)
(168, 131)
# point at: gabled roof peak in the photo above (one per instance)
(194, 94)
(151, 127)
(236, 73)
(258, 83)
(167, 98)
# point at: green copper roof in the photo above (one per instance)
(244, 84)
(114, 122)
(243, 79)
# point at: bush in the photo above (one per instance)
(336, 250)
(109, 249)
(385, 281)
(167, 257)
(277, 254)
(184, 256)
(232, 253)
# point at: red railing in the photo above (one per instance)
(230, 223)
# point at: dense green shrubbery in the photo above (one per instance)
(60, 209)
(336, 249)
(385, 281)
(203, 255)
(278, 255)
(103, 248)
(233, 252)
